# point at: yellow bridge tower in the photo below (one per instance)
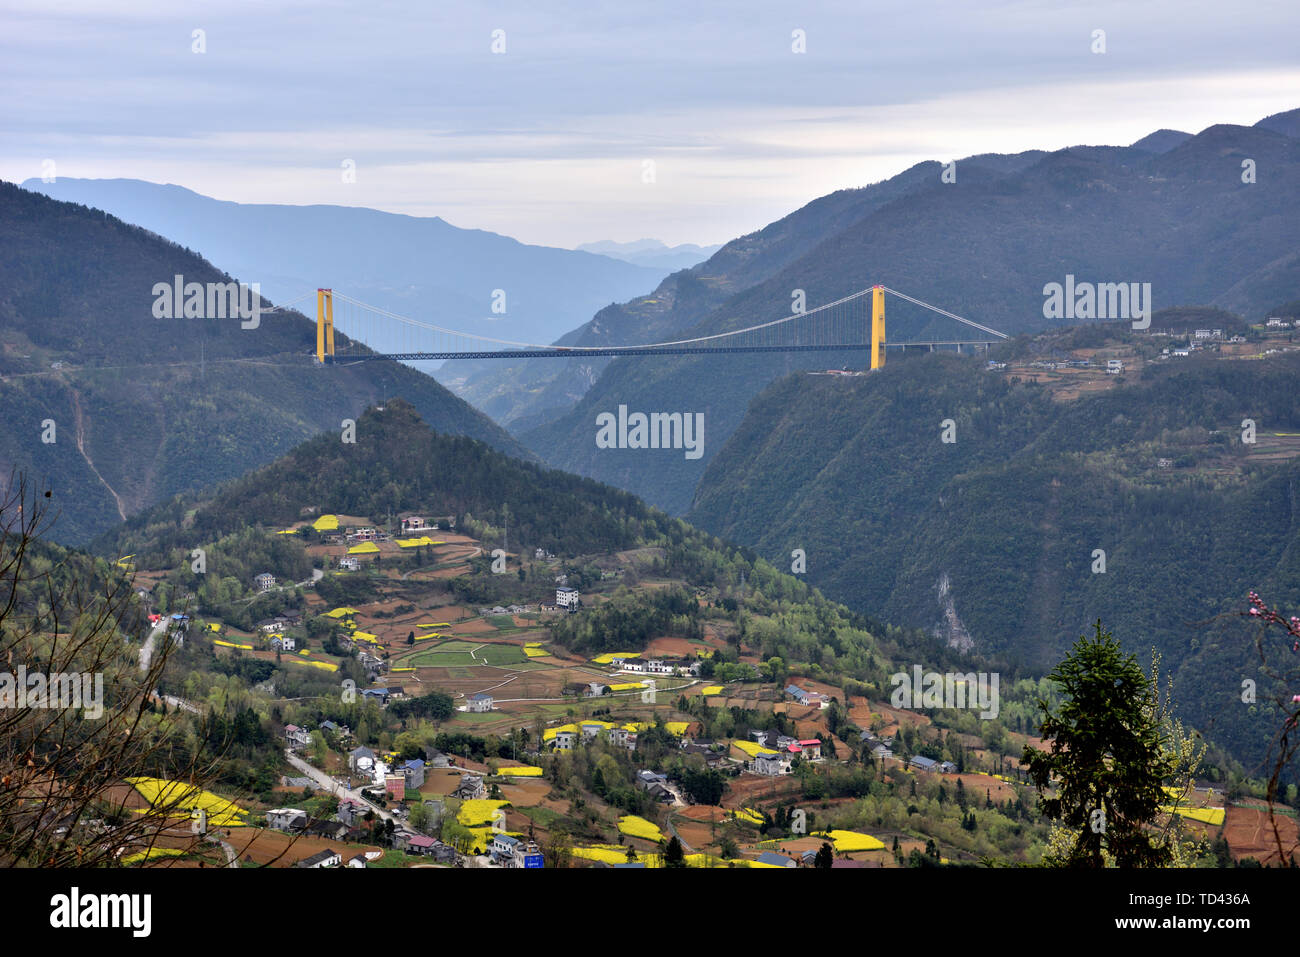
(324, 324)
(877, 327)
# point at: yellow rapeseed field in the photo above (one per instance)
(640, 827)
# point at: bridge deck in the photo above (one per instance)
(561, 352)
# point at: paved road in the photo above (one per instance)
(146, 649)
(232, 859)
(331, 786)
(175, 702)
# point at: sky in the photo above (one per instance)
(563, 122)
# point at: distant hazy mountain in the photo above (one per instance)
(653, 253)
(1183, 220)
(1161, 141)
(116, 409)
(422, 267)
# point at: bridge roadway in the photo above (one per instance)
(562, 352)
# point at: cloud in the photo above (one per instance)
(547, 141)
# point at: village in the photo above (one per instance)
(518, 711)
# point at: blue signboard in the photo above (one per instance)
(532, 860)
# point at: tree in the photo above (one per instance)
(1106, 760)
(64, 613)
(1285, 746)
(673, 854)
(825, 856)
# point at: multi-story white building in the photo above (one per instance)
(567, 598)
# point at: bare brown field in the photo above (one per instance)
(672, 647)
(702, 812)
(1250, 833)
(980, 786)
(264, 846)
(475, 626)
(749, 788)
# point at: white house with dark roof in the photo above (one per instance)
(361, 757)
(325, 858)
(286, 819)
(480, 703)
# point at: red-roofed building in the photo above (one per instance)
(812, 749)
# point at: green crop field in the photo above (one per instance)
(450, 654)
(502, 654)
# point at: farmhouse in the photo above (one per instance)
(875, 747)
(774, 739)
(502, 849)
(812, 749)
(264, 581)
(567, 598)
(806, 697)
(350, 812)
(645, 778)
(395, 786)
(349, 563)
(765, 762)
(413, 772)
(296, 736)
(480, 702)
(622, 737)
(361, 757)
(470, 788)
(286, 819)
(780, 860)
(415, 843)
(927, 764)
(325, 858)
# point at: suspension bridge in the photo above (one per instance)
(853, 323)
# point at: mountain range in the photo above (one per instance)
(421, 267)
(117, 409)
(1144, 505)
(1187, 214)
(652, 252)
